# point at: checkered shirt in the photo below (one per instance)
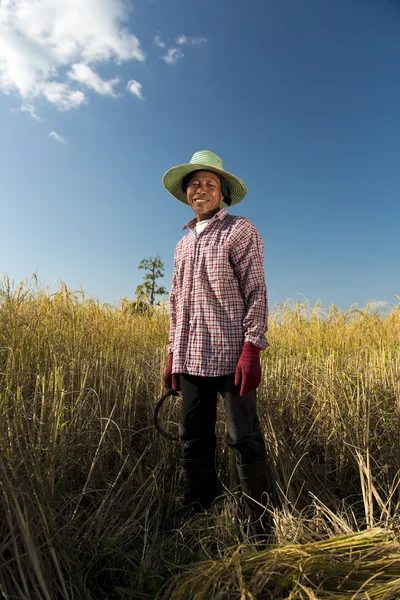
(218, 298)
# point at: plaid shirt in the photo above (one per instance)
(218, 298)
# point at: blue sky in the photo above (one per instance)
(300, 98)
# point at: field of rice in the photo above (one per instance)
(85, 479)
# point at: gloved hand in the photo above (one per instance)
(171, 380)
(248, 370)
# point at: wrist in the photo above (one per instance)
(250, 347)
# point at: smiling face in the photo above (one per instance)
(204, 194)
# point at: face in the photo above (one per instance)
(204, 194)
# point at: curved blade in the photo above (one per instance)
(156, 413)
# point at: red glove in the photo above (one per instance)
(171, 380)
(248, 370)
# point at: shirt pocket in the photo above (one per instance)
(216, 265)
(220, 285)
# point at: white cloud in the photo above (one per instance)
(28, 108)
(172, 56)
(158, 42)
(41, 39)
(62, 95)
(58, 137)
(84, 74)
(186, 40)
(135, 88)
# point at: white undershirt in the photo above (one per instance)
(201, 225)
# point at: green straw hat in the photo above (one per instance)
(203, 161)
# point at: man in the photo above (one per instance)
(218, 320)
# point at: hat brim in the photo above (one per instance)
(172, 181)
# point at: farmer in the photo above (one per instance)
(218, 320)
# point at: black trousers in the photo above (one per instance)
(199, 414)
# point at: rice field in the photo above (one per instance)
(85, 478)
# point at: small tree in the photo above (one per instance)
(147, 291)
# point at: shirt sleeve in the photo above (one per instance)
(247, 257)
(172, 312)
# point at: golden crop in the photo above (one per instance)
(85, 478)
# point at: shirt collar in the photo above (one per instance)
(221, 214)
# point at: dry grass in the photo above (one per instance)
(360, 565)
(85, 478)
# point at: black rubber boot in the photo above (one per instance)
(200, 484)
(254, 484)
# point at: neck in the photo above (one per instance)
(207, 216)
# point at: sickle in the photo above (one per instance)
(157, 410)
